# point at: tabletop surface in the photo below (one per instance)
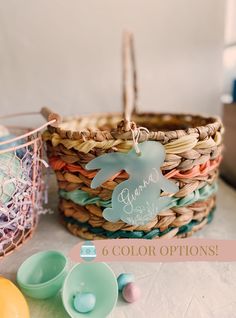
(169, 290)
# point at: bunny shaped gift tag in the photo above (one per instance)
(137, 200)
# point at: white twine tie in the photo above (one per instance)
(136, 134)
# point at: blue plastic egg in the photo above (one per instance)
(124, 279)
(84, 302)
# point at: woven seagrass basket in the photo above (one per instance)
(193, 146)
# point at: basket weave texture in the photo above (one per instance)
(193, 154)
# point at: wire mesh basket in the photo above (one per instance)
(21, 182)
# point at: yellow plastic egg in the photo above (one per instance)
(12, 302)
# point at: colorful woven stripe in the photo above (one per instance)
(183, 144)
(83, 198)
(200, 170)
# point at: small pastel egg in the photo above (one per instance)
(12, 302)
(131, 293)
(124, 279)
(84, 302)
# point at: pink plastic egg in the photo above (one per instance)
(131, 292)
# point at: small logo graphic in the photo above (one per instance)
(88, 251)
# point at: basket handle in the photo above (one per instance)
(130, 87)
(49, 115)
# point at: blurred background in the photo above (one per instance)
(67, 54)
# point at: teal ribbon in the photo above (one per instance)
(83, 198)
(198, 195)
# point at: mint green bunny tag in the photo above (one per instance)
(137, 200)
